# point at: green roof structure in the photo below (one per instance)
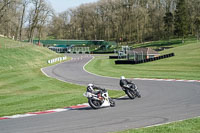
(73, 42)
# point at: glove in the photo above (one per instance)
(126, 86)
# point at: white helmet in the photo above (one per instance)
(122, 77)
(90, 88)
(90, 85)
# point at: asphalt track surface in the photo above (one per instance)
(161, 102)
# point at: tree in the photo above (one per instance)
(9, 18)
(181, 19)
(168, 20)
(4, 4)
(197, 26)
(130, 20)
(24, 5)
(37, 17)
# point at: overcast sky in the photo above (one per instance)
(63, 5)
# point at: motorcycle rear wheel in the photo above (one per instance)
(130, 94)
(95, 104)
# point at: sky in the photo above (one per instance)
(63, 5)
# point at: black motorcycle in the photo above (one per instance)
(132, 91)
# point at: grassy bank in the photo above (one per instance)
(185, 65)
(172, 43)
(187, 126)
(23, 87)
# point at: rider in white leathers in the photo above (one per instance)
(94, 89)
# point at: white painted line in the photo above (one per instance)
(160, 79)
(145, 79)
(84, 104)
(59, 110)
(93, 73)
(156, 125)
(44, 73)
(180, 80)
(20, 116)
(170, 80)
(191, 80)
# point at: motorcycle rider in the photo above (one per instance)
(94, 89)
(99, 97)
(124, 83)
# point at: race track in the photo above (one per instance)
(161, 102)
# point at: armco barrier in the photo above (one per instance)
(59, 59)
(145, 60)
(96, 52)
(117, 57)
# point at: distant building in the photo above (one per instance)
(59, 49)
(141, 54)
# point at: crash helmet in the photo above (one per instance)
(122, 77)
(90, 85)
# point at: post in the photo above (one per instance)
(142, 56)
(134, 56)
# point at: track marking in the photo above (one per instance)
(156, 125)
(143, 79)
(79, 106)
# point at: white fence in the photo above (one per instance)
(59, 59)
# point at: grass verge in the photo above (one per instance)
(186, 126)
(185, 65)
(23, 87)
(172, 43)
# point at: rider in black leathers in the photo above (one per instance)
(124, 83)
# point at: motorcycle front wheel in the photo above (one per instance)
(138, 94)
(112, 102)
(95, 104)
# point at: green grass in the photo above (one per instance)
(164, 43)
(184, 65)
(187, 126)
(24, 88)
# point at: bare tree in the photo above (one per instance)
(123, 20)
(4, 4)
(24, 5)
(9, 17)
(37, 15)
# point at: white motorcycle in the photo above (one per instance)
(99, 100)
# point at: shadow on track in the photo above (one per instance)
(123, 98)
(90, 108)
